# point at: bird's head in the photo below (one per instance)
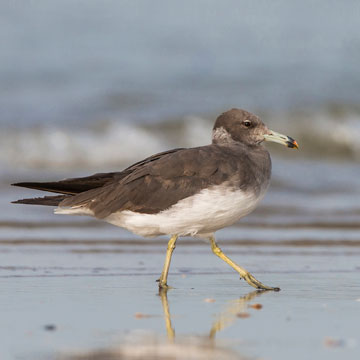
(237, 125)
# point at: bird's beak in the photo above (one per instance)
(281, 139)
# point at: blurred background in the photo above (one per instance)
(99, 84)
(89, 86)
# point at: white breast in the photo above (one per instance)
(204, 213)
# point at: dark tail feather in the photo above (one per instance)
(71, 186)
(57, 187)
(47, 200)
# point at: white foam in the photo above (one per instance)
(115, 145)
(119, 143)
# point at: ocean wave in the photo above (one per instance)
(329, 133)
(51, 147)
(114, 143)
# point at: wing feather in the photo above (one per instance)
(155, 185)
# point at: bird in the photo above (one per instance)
(180, 192)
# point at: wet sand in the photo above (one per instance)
(104, 301)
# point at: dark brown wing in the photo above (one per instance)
(75, 186)
(153, 186)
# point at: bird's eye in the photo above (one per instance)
(247, 123)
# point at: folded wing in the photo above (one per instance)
(154, 186)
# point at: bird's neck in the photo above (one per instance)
(221, 136)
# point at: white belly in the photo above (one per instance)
(201, 214)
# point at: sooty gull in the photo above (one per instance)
(180, 192)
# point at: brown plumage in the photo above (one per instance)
(153, 187)
(145, 187)
(73, 186)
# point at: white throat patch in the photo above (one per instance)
(221, 135)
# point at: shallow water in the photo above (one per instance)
(65, 300)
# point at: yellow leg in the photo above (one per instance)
(243, 273)
(163, 278)
(164, 300)
(234, 307)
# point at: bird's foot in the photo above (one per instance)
(251, 280)
(164, 286)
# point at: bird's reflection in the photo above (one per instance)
(223, 319)
(232, 311)
(186, 347)
(170, 332)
